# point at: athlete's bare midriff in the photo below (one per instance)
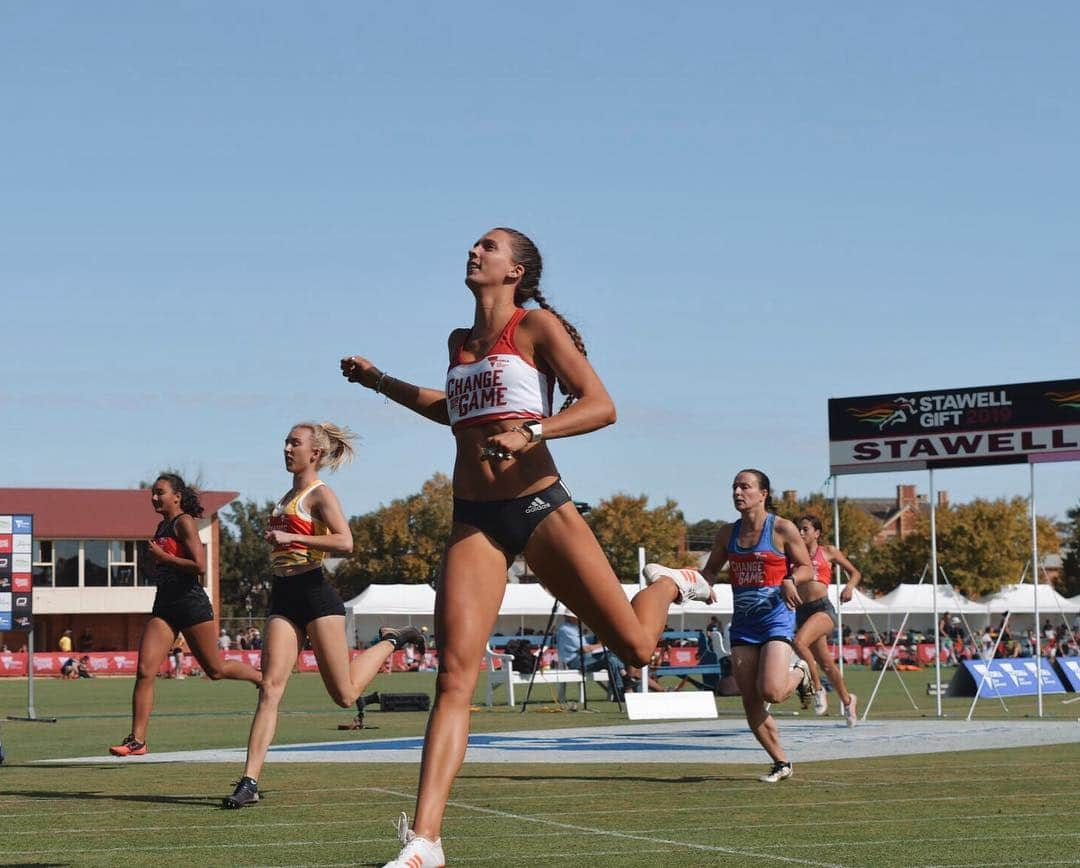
(813, 591)
(476, 478)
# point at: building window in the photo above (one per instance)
(66, 563)
(43, 563)
(95, 563)
(100, 563)
(122, 564)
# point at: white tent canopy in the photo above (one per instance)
(394, 600)
(529, 605)
(379, 605)
(919, 600)
(859, 604)
(1020, 598)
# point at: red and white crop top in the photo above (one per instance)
(502, 385)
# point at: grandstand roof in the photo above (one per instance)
(94, 513)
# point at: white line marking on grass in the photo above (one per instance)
(996, 863)
(259, 844)
(232, 828)
(510, 858)
(280, 800)
(709, 848)
(753, 806)
(1011, 836)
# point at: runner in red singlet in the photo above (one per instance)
(816, 618)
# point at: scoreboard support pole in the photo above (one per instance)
(31, 714)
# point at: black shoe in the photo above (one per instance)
(402, 636)
(245, 794)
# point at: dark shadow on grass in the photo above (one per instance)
(83, 796)
(649, 779)
(38, 864)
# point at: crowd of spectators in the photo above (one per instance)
(246, 639)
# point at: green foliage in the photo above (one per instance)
(402, 542)
(1070, 576)
(857, 526)
(700, 534)
(245, 559)
(622, 523)
(982, 546)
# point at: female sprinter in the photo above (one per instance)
(768, 562)
(509, 500)
(177, 559)
(306, 524)
(816, 618)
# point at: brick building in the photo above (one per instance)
(87, 561)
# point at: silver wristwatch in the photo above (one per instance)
(535, 431)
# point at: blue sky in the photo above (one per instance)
(746, 210)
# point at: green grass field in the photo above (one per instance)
(1003, 807)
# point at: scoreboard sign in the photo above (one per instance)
(16, 580)
(1019, 423)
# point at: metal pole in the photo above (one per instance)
(30, 713)
(934, 568)
(837, 573)
(644, 686)
(1035, 585)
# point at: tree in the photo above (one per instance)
(982, 546)
(399, 543)
(245, 559)
(857, 527)
(1070, 574)
(700, 534)
(622, 523)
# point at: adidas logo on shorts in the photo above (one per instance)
(537, 505)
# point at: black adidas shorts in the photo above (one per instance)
(304, 597)
(510, 523)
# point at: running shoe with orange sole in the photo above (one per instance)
(130, 746)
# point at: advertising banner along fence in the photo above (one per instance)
(1015, 676)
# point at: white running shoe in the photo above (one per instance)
(778, 772)
(805, 689)
(691, 584)
(416, 852)
(821, 702)
(850, 714)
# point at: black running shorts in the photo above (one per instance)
(510, 523)
(182, 607)
(803, 612)
(304, 597)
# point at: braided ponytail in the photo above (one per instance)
(527, 255)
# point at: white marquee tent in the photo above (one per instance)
(529, 605)
(919, 600)
(1019, 598)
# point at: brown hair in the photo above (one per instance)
(527, 255)
(189, 494)
(763, 484)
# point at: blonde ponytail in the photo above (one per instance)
(335, 444)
